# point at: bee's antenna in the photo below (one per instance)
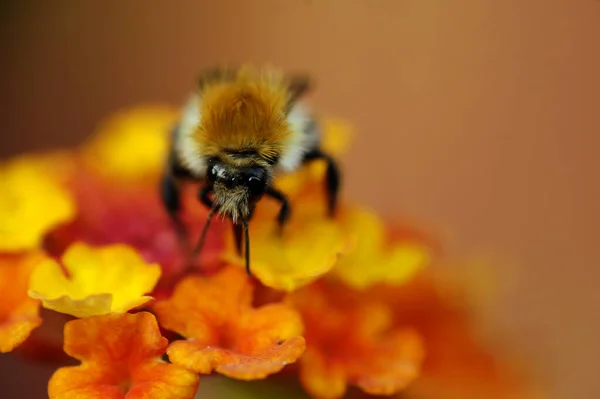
(247, 245)
(202, 238)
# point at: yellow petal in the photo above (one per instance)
(101, 280)
(31, 203)
(337, 136)
(309, 247)
(132, 144)
(372, 261)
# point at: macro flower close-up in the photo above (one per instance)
(224, 332)
(321, 302)
(299, 200)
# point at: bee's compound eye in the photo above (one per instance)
(256, 185)
(211, 173)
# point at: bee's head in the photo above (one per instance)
(236, 189)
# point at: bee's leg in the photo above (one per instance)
(332, 179)
(170, 197)
(285, 210)
(247, 246)
(203, 196)
(238, 231)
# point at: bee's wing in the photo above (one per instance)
(298, 86)
(187, 149)
(215, 74)
(305, 137)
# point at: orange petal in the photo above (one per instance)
(395, 363)
(226, 333)
(15, 329)
(45, 343)
(257, 365)
(201, 316)
(351, 341)
(320, 378)
(85, 382)
(119, 355)
(19, 314)
(158, 380)
(438, 309)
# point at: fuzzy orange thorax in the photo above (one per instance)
(246, 112)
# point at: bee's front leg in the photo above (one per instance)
(238, 231)
(285, 210)
(332, 178)
(204, 196)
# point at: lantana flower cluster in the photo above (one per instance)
(91, 269)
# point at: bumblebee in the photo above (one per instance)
(239, 129)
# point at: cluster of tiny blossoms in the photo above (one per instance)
(90, 268)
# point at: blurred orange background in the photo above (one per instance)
(481, 119)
